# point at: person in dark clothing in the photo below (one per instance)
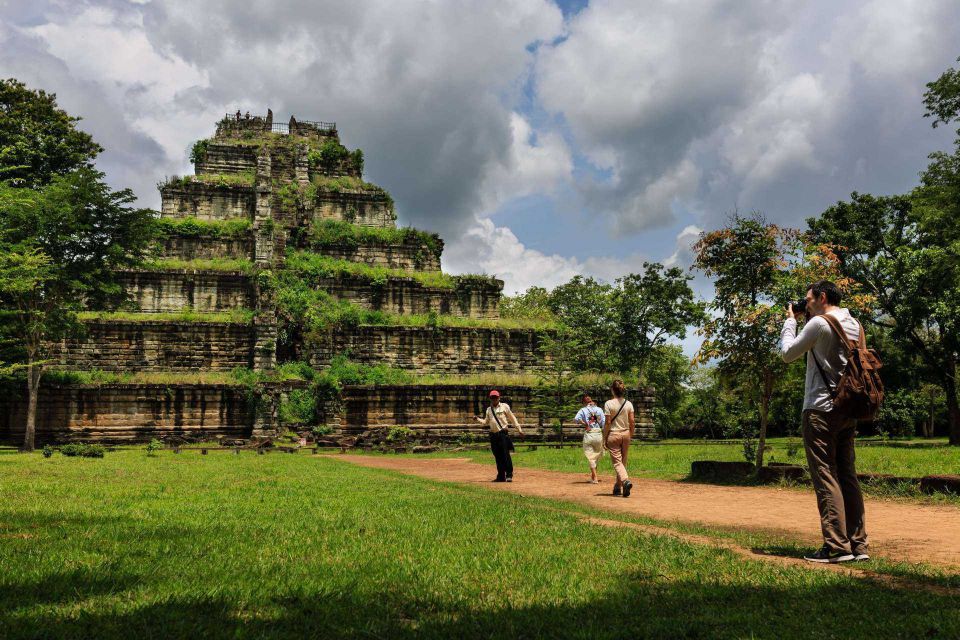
(497, 419)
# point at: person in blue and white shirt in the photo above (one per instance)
(591, 418)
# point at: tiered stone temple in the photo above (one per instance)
(276, 251)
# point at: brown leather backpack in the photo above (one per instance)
(859, 392)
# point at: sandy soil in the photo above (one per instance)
(897, 531)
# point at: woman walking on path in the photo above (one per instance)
(592, 419)
(496, 420)
(617, 434)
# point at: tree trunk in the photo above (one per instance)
(764, 415)
(928, 423)
(33, 386)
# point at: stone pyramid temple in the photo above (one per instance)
(277, 264)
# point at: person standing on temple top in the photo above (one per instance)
(497, 419)
(592, 419)
(617, 434)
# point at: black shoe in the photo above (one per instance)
(861, 555)
(616, 490)
(499, 480)
(825, 555)
(509, 478)
(627, 486)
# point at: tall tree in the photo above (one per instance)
(583, 305)
(64, 243)
(38, 140)
(757, 268)
(648, 308)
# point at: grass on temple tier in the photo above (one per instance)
(293, 371)
(278, 546)
(231, 265)
(325, 233)
(195, 227)
(239, 316)
(313, 265)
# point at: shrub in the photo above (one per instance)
(83, 450)
(321, 430)
(399, 434)
(47, 451)
(198, 152)
(298, 407)
(153, 446)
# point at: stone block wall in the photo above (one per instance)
(409, 296)
(447, 411)
(116, 345)
(365, 208)
(207, 202)
(227, 158)
(427, 350)
(122, 413)
(410, 256)
(206, 247)
(201, 291)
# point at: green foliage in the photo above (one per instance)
(38, 140)
(668, 371)
(47, 451)
(237, 316)
(153, 446)
(356, 158)
(648, 308)
(942, 98)
(222, 180)
(900, 412)
(309, 265)
(198, 152)
(83, 450)
(227, 265)
(334, 233)
(298, 407)
(534, 303)
(329, 156)
(196, 228)
(321, 430)
(399, 434)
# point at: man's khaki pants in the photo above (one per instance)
(828, 440)
(618, 443)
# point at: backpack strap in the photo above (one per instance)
(847, 343)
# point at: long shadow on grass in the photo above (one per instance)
(640, 606)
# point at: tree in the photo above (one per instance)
(648, 308)
(942, 98)
(583, 306)
(556, 397)
(757, 268)
(669, 372)
(63, 244)
(904, 250)
(38, 140)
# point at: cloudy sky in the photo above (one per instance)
(540, 139)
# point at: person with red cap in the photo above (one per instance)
(496, 419)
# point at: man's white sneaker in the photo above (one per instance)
(826, 555)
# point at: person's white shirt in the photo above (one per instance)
(818, 338)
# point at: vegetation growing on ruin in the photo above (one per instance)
(187, 315)
(198, 152)
(313, 265)
(225, 265)
(193, 227)
(224, 180)
(332, 156)
(239, 376)
(336, 233)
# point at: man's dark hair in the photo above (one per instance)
(825, 286)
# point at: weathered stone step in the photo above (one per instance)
(227, 158)
(120, 413)
(130, 346)
(206, 201)
(434, 350)
(449, 410)
(411, 255)
(178, 290)
(366, 208)
(470, 299)
(206, 247)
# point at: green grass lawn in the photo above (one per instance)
(671, 459)
(276, 546)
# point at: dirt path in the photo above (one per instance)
(914, 533)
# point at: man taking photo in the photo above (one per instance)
(828, 436)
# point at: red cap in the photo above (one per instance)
(494, 393)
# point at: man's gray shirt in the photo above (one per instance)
(817, 336)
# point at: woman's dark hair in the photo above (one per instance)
(618, 388)
(825, 286)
